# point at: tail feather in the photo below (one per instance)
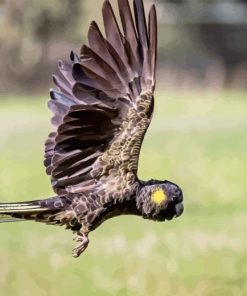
(20, 207)
(38, 210)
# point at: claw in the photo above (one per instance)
(83, 241)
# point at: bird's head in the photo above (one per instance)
(160, 200)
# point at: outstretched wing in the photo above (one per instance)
(104, 103)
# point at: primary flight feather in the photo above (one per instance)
(102, 108)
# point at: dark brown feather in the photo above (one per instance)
(129, 30)
(113, 34)
(103, 104)
(153, 39)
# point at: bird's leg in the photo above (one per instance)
(83, 240)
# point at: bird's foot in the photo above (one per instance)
(82, 239)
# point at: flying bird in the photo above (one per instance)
(102, 105)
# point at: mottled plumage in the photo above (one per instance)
(102, 108)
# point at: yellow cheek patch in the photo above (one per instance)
(158, 196)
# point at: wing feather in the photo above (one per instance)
(141, 23)
(152, 32)
(103, 103)
(113, 34)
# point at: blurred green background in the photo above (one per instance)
(197, 139)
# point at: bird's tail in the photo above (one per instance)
(39, 210)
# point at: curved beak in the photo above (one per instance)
(179, 209)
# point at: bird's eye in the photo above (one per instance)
(174, 198)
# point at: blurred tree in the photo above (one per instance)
(28, 30)
(218, 26)
(227, 39)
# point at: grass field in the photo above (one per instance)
(198, 142)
